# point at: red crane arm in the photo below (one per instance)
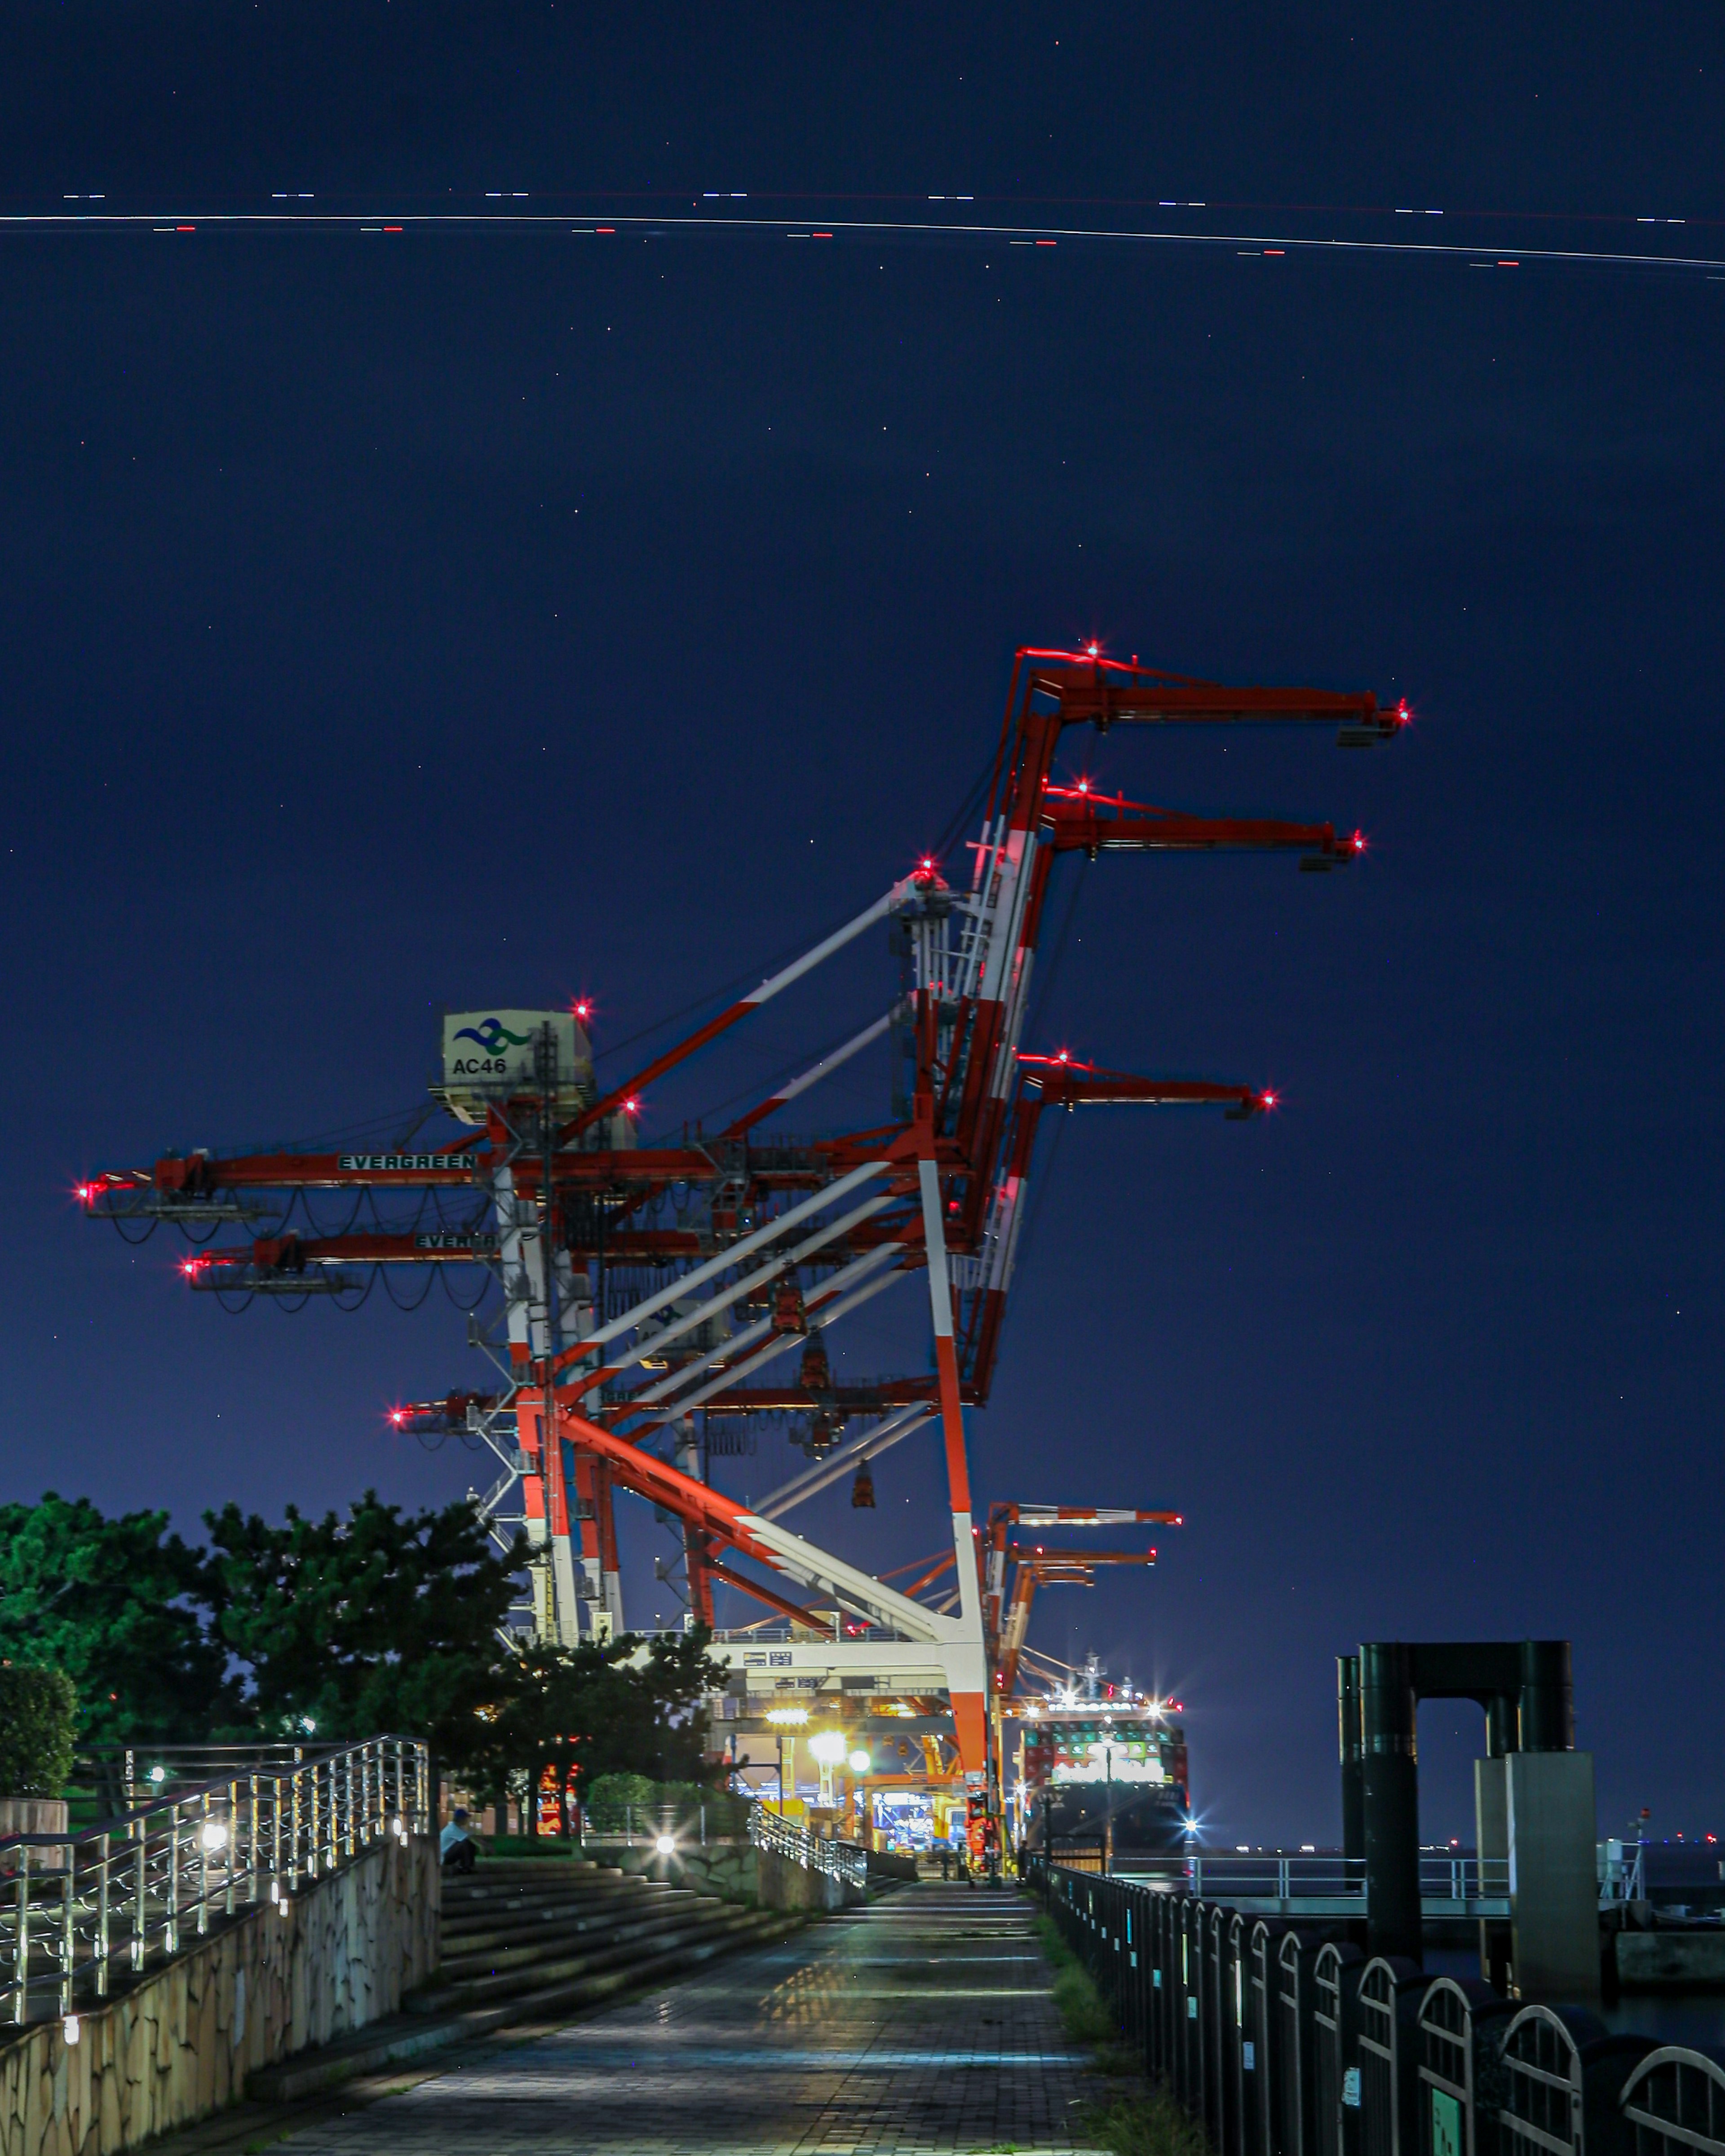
(1078, 828)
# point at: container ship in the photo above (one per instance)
(1102, 1774)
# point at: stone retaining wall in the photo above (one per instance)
(181, 2044)
(785, 1884)
(724, 1868)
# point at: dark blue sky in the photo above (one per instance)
(395, 623)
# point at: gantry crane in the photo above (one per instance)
(644, 1285)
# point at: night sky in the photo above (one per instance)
(391, 623)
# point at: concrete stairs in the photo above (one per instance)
(532, 1940)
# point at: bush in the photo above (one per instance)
(612, 1797)
(39, 1712)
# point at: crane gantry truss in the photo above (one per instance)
(644, 1285)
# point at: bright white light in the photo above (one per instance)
(788, 1717)
(158, 1774)
(213, 1835)
(858, 1762)
(828, 1747)
(69, 2029)
(308, 1725)
(666, 1844)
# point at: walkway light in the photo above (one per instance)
(666, 1844)
(69, 2029)
(858, 1762)
(214, 1835)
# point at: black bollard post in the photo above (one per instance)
(1390, 1797)
(1348, 1711)
(1548, 1697)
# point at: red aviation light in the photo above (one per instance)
(632, 1106)
(1357, 844)
(1268, 1100)
(191, 1267)
(395, 1417)
(583, 1008)
(83, 1192)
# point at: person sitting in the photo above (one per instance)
(457, 1850)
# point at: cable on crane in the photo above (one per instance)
(364, 1297)
(329, 1234)
(418, 1299)
(444, 1273)
(135, 1240)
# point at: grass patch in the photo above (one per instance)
(1141, 2121)
(1150, 2124)
(1080, 2006)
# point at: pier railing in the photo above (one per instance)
(1281, 2039)
(843, 1861)
(82, 1913)
(1273, 1884)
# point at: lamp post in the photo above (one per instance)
(828, 1747)
(1108, 1815)
(784, 1721)
(859, 1763)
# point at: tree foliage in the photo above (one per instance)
(380, 1621)
(39, 1713)
(337, 1628)
(110, 1603)
(599, 1709)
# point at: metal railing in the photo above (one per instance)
(843, 1861)
(1282, 2040)
(1272, 1884)
(79, 1911)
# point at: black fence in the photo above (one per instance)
(1283, 2039)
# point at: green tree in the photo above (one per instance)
(350, 1627)
(109, 1601)
(38, 1712)
(603, 1710)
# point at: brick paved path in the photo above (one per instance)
(922, 2022)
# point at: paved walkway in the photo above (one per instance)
(922, 2022)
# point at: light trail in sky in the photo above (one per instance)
(1498, 255)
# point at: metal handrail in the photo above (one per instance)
(1442, 1876)
(836, 1859)
(76, 1910)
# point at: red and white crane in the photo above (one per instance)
(638, 1287)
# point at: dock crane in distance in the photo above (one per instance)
(643, 1286)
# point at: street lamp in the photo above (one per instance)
(784, 1718)
(828, 1747)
